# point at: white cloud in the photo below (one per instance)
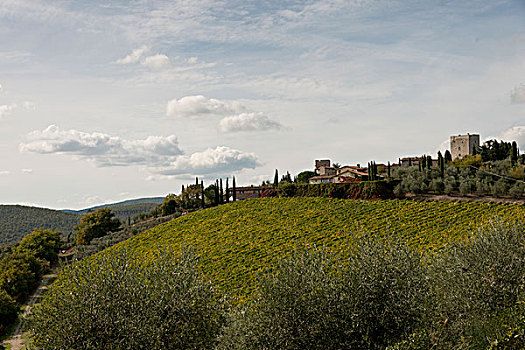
(249, 122)
(103, 149)
(157, 61)
(4, 172)
(517, 95)
(1, 88)
(516, 133)
(135, 56)
(161, 155)
(199, 105)
(6, 109)
(193, 59)
(26, 171)
(29, 105)
(219, 160)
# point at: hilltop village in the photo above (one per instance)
(461, 147)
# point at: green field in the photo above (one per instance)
(240, 240)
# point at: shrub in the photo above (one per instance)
(388, 291)
(312, 301)
(96, 224)
(287, 189)
(20, 274)
(474, 281)
(8, 311)
(44, 244)
(296, 308)
(113, 301)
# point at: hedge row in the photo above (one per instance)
(347, 190)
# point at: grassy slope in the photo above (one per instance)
(239, 240)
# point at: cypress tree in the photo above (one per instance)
(196, 181)
(202, 195)
(429, 162)
(388, 170)
(227, 192)
(423, 162)
(276, 178)
(409, 161)
(221, 193)
(441, 164)
(234, 190)
(514, 153)
(369, 170)
(448, 156)
(216, 192)
(182, 189)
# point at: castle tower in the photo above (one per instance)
(461, 145)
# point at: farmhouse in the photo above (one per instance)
(328, 174)
(248, 192)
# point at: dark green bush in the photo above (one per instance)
(8, 311)
(20, 274)
(115, 301)
(44, 244)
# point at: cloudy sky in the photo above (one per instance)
(102, 101)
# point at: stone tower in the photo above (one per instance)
(461, 145)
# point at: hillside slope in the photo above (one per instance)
(150, 201)
(238, 241)
(16, 221)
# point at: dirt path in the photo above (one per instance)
(17, 341)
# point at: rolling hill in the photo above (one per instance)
(16, 221)
(240, 240)
(126, 203)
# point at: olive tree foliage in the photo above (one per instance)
(315, 301)
(474, 282)
(96, 224)
(116, 301)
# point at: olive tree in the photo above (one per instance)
(117, 301)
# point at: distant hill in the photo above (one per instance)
(16, 221)
(238, 241)
(126, 203)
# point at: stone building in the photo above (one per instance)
(461, 145)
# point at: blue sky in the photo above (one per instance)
(107, 100)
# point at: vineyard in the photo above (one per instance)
(238, 241)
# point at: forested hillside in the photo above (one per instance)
(150, 201)
(16, 221)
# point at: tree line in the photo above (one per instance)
(495, 169)
(21, 269)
